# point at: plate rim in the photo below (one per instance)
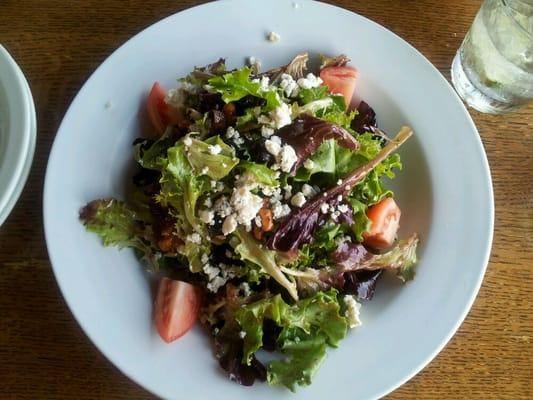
(479, 144)
(24, 160)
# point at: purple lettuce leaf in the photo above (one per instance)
(361, 283)
(306, 134)
(348, 255)
(298, 228)
(365, 120)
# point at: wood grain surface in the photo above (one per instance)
(43, 352)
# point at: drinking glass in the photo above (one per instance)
(493, 69)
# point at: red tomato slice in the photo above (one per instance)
(340, 80)
(385, 218)
(161, 114)
(176, 308)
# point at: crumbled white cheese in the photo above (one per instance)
(231, 132)
(276, 139)
(298, 200)
(210, 271)
(194, 238)
(280, 210)
(272, 147)
(288, 158)
(174, 97)
(208, 202)
(324, 208)
(204, 170)
(339, 197)
(343, 208)
(339, 182)
(216, 284)
(310, 81)
(289, 85)
(308, 190)
(205, 259)
(288, 192)
(222, 206)
(281, 116)
(309, 164)
(245, 204)
(229, 225)
(245, 287)
(220, 186)
(258, 221)
(207, 216)
(214, 149)
(187, 141)
(273, 37)
(352, 311)
(242, 334)
(266, 131)
(213, 185)
(265, 82)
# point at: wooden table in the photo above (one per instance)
(44, 353)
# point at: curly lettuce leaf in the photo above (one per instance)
(119, 225)
(308, 327)
(217, 165)
(235, 85)
(259, 173)
(181, 188)
(251, 250)
(149, 154)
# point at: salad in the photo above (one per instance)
(259, 206)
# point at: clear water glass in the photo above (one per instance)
(493, 69)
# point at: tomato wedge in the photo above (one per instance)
(385, 218)
(340, 80)
(176, 308)
(161, 114)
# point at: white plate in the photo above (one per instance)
(445, 193)
(17, 132)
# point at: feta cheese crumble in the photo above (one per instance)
(229, 225)
(273, 37)
(194, 238)
(245, 204)
(281, 116)
(214, 149)
(289, 85)
(266, 131)
(352, 311)
(207, 216)
(298, 200)
(308, 190)
(310, 81)
(288, 158)
(309, 164)
(272, 147)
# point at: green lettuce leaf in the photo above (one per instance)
(119, 225)
(259, 173)
(150, 155)
(308, 327)
(312, 94)
(251, 250)
(181, 188)
(235, 85)
(401, 258)
(217, 165)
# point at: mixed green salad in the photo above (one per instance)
(259, 205)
